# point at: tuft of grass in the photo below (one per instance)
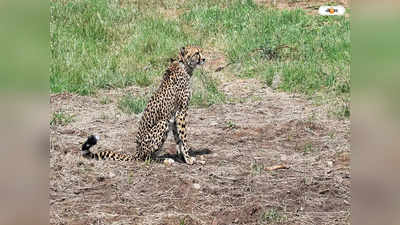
(61, 118)
(341, 107)
(207, 93)
(131, 177)
(308, 148)
(257, 168)
(131, 104)
(103, 116)
(143, 80)
(105, 100)
(273, 216)
(331, 134)
(230, 124)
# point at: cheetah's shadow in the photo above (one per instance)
(175, 157)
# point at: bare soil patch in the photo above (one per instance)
(237, 141)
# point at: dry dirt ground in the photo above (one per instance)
(238, 142)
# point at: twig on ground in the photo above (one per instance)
(276, 167)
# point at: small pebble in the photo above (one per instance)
(168, 162)
(213, 124)
(67, 131)
(111, 175)
(202, 162)
(308, 180)
(196, 186)
(214, 155)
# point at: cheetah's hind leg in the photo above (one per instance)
(152, 143)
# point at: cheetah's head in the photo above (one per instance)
(192, 56)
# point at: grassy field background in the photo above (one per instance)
(103, 44)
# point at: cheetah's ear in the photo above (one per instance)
(183, 51)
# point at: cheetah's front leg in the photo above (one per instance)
(179, 130)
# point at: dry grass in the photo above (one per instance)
(273, 128)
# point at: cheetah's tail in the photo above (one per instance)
(104, 155)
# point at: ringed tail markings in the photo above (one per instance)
(104, 155)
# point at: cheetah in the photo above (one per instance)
(165, 111)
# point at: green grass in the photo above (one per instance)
(230, 124)
(308, 148)
(131, 104)
(108, 44)
(98, 44)
(206, 91)
(257, 168)
(105, 100)
(316, 53)
(273, 216)
(61, 118)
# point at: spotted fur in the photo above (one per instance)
(165, 111)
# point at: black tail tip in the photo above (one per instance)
(92, 140)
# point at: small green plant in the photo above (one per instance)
(103, 116)
(230, 124)
(308, 148)
(273, 216)
(256, 168)
(255, 98)
(130, 104)
(131, 176)
(331, 134)
(61, 118)
(289, 137)
(105, 100)
(312, 118)
(343, 110)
